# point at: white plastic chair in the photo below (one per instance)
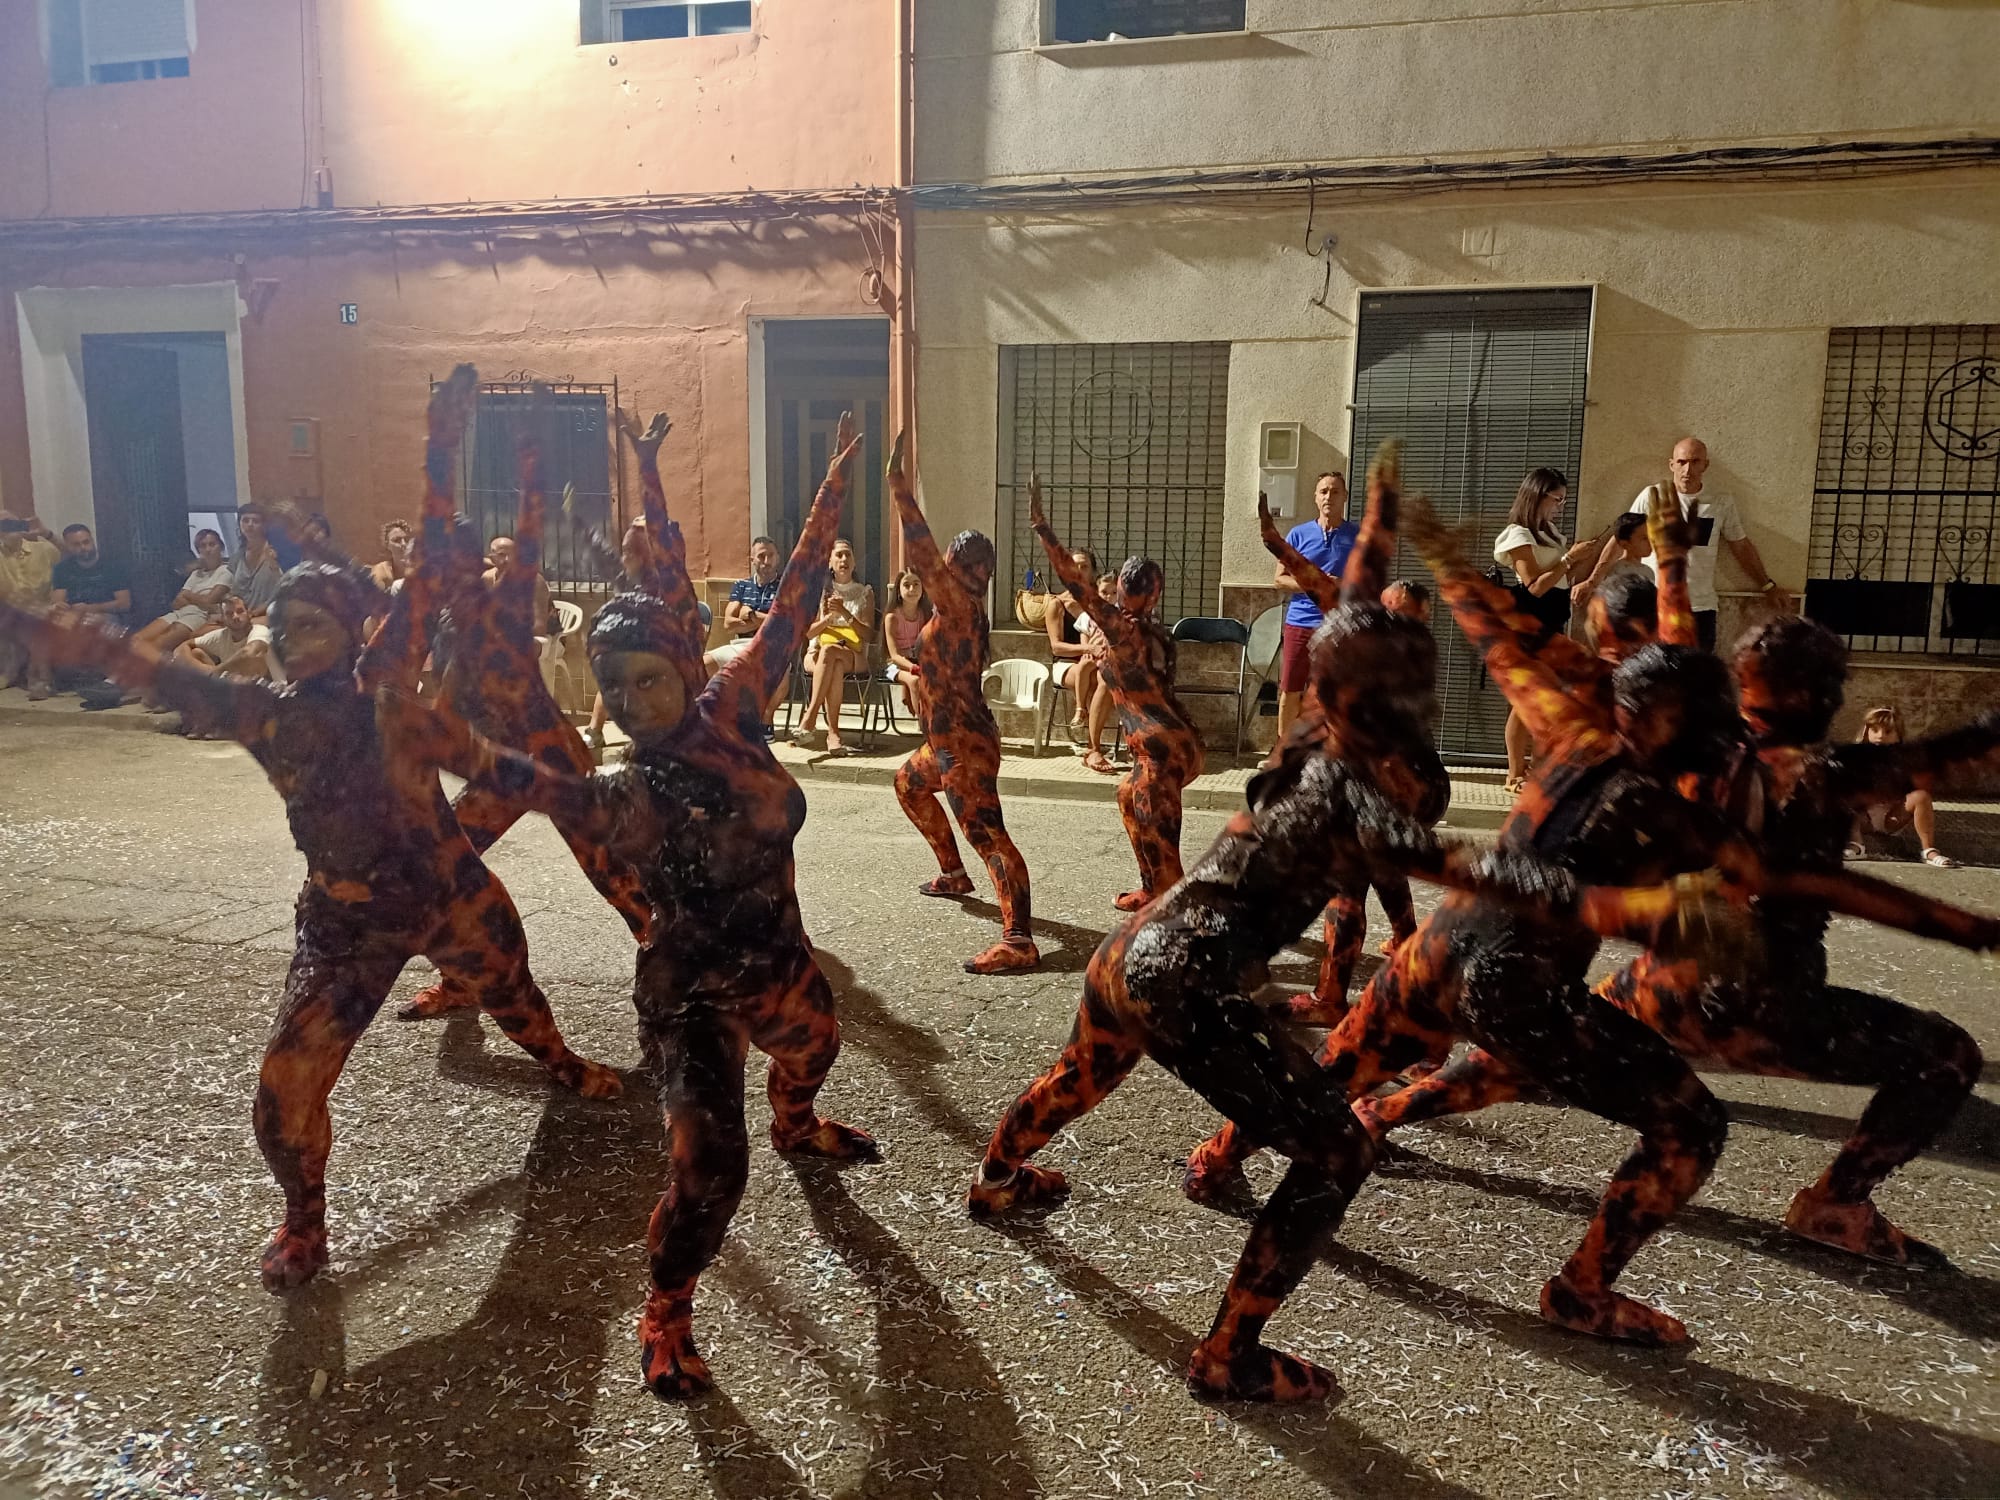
(1020, 684)
(555, 651)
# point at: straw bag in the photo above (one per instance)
(1031, 609)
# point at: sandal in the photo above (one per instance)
(1940, 859)
(1515, 787)
(1854, 851)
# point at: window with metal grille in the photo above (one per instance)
(652, 20)
(117, 41)
(1904, 504)
(1128, 441)
(1105, 20)
(1481, 387)
(585, 487)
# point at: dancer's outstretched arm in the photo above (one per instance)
(245, 709)
(748, 681)
(1668, 531)
(612, 807)
(670, 579)
(1864, 775)
(948, 596)
(1484, 612)
(1367, 570)
(1852, 894)
(1109, 618)
(1314, 581)
(401, 642)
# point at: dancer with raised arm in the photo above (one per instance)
(389, 875)
(1137, 664)
(494, 682)
(1174, 980)
(1344, 927)
(960, 756)
(707, 816)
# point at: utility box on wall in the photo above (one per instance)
(1278, 465)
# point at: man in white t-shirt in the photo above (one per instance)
(1714, 519)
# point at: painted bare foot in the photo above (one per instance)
(996, 1192)
(674, 1370)
(1857, 1228)
(1131, 900)
(1314, 1009)
(593, 1080)
(1219, 1185)
(1608, 1314)
(1008, 956)
(1369, 1113)
(292, 1258)
(439, 999)
(832, 1140)
(1255, 1373)
(952, 883)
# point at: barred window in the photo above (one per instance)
(1902, 555)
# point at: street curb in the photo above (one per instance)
(103, 718)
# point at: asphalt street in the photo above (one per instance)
(474, 1334)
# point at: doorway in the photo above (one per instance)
(162, 452)
(814, 369)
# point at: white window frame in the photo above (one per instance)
(599, 18)
(85, 58)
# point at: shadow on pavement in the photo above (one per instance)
(1842, 1448)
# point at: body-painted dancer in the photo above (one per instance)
(1602, 802)
(1175, 980)
(1137, 663)
(1345, 924)
(494, 682)
(960, 756)
(389, 876)
(709, 818)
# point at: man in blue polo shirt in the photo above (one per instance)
(749, 601)
(1325, 540)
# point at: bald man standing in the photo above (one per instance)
(1714, 519)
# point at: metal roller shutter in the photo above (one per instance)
(1482, 387)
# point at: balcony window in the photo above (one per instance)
(117, 41)
(651, 20)
(1119, 20)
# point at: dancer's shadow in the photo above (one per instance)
(1959, 1299)
(539, 1331)
(1327, 1447)
(912, 1055)
(1972, 1139)
(1078, 943)
(465, 1057)
(1839, 1446)
(934, 1391)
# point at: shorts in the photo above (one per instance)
(1063, 671)
(259, 631)
(728, 651)
(1295, 660)
(191, 616)
(1888, 817)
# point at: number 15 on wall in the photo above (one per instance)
(350, 312)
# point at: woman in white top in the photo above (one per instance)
(840, 639)
(199, 601)
(1543, 563)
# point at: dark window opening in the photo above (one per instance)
(1103, 20)
(133, 72)
(1863, 606)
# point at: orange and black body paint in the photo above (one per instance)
(493, 680)
(1138, 666)
(1513, 983)
(960, 756)
(389, 875)
(708, 818)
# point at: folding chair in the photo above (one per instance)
(1218, 630)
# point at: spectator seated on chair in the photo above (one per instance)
(749, 602)
(1884, 726)
(28, 558)
(85, 580)
(840, 636)
(502, 557)
(1075, 660)
(198, 605)
(902, 626)
(254, 577)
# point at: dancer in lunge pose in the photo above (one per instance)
(1602, 802)
(1137, 663)
(494, 682)
(960, 756)
(1175, 980)
(709, 818)
(1344, 927)
(389, 875)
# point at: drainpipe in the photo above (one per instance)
(902, 365)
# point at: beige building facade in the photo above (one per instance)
(1516, 234)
